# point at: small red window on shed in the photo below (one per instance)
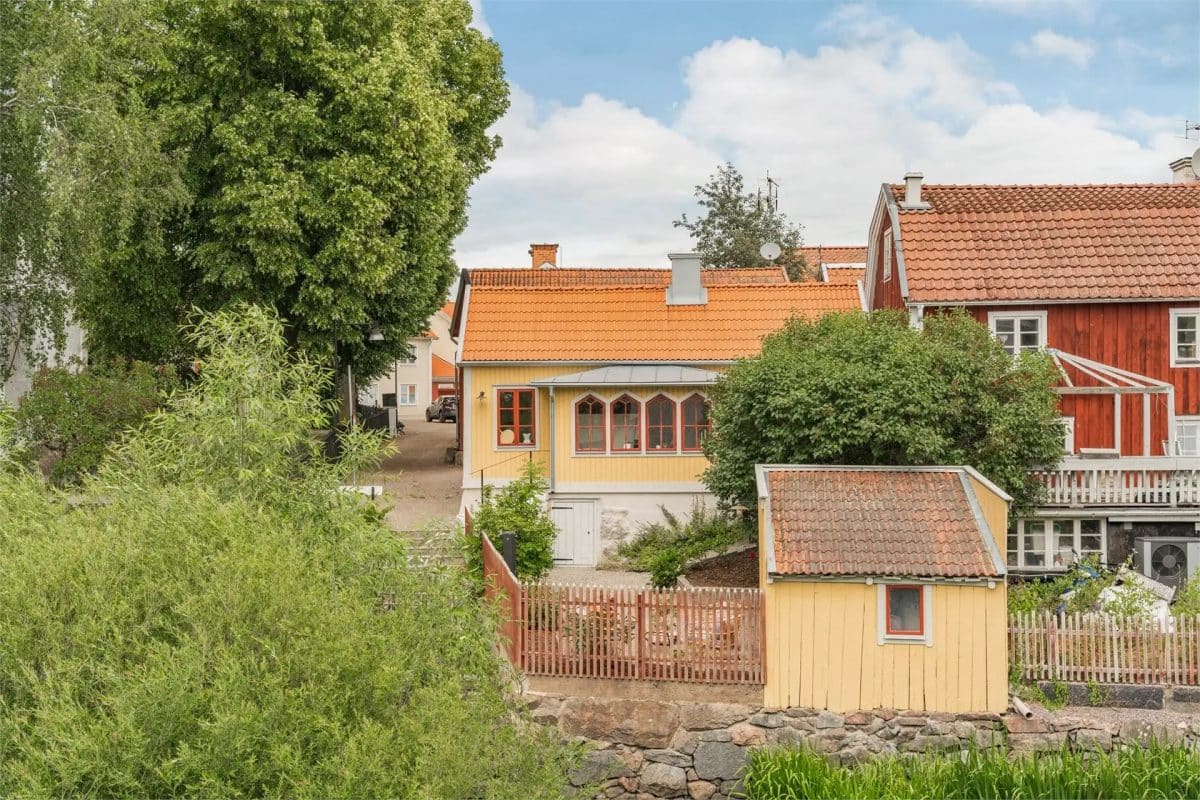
(905, 612)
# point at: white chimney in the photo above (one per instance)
(685, 288)
(1182, 170)
(912, 192)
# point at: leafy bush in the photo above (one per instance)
(519, 507)
(74, 416)
(1187, 598)
(666, 568)
(705, 530)
(1084, 580)
(1161, 772)
(212, 619)
(869, 389)
(1133, 600)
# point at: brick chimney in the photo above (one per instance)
(543, 255)
(1182, 172)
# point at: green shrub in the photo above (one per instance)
(705, 530)
(666, 568)
(1085, 580)
(519, 507)
(211, 618)
(74, 416)
(1134, 600)
(1187, 598)
(1159, 772)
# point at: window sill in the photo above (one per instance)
(894, 639)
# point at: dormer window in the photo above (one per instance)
(1019, 331)
(1185, 337)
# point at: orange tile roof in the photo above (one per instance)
(562, 277)
(596, 316)
(442, 368)
(849, 276)
(872, 521)
(1093, 242)
(834, 254)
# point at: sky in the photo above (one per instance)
(619, 109)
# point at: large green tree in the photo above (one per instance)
(81, 171)
(735, 224)
(211, 617)
(869, 389)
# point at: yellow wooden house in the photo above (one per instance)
(884, 587)
(602, 376)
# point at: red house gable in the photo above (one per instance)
(1107, 273)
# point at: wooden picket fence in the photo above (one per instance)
(699, 635)
(1104, 649)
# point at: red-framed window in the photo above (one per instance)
(660, 424)
(625, 423)
(516, 419)
(696, 422)
(905, 611)
(589, 425)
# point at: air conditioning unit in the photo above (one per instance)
(1167, 559)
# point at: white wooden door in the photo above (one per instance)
(576, 523)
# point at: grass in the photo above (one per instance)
(1156, 772)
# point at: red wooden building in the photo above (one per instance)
(1107, 278)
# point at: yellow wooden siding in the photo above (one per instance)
(505, 462)
(823, 653)
(995, 511)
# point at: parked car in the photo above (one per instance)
(442, 409)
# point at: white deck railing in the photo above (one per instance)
(1139, 481)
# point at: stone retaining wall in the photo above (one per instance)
(643, 749)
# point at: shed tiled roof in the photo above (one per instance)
(586, 315)
(1018, 243)
(442, 368)
(872, 521)
(849, 276)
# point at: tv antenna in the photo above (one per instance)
(773, 193)
(1189, 128)
(770, 251)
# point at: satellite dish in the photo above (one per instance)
(1196, 161)
(770, 251)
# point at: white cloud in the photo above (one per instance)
(606, 180)
(1048, 44)
(1084, 9)
(478, 21)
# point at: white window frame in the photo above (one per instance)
(408, 390)
(887, 255)
(1017, 317)
(882, 636)
(1176, 315)
(1049, 550)
(1187, 422)
(1068, 425)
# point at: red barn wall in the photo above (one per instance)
(1132, 336)
(886, 294)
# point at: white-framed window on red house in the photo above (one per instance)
(625, 422)
(516, 417)
(589, 425)
(660, 424)
(697, 423)
(904, 613)
(1185, 337)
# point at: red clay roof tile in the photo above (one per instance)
(1013, 243)
(887, 522)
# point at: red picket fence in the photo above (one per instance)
(1103, 649)
(501, 586)
(706, 635)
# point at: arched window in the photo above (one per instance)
(660, 424)
(589, 425)
(626, 424)
(696, 422)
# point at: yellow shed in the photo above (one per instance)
(884, 587)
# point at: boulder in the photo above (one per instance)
(663, 780)
(1018, 724)
(1036, 742)
(722, 760)
(764, 720)
(645, 723)
(715, 736)
(597, 766)
(746, 734)
(685, 741)
(672, 757)
(1092, 739)
(828, 719)
(701, 790)
(1143, 733)
(703, 716)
